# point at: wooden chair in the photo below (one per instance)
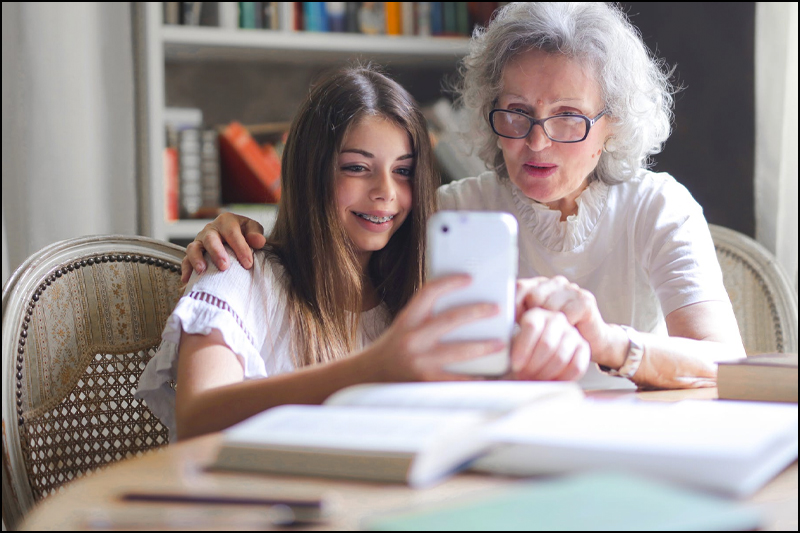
(762, 295)
(81, 318)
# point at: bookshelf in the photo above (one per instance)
(161, 47)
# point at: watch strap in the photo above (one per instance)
(632, 359)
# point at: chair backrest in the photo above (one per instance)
(763, 299)
(81, 318)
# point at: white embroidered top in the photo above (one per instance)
(642, 247)
(248, 307)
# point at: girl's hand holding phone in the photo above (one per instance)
(411, 348)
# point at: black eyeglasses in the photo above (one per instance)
(559, 128)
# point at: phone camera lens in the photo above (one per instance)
(445, 229)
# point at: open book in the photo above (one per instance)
(728, 447)
(415, 433)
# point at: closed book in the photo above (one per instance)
(336, 12)
(286, 16)
(409, 17)
(423, 16)
(437, 18)
(371, 18)
(299, 23)
(414, 433)
(462, 18)
(171, 208)
(247, 176)
(588, 502)
(764, 377)
(315, 16)
(228, 15)
(394, 18)
(189, 171)
(351, 17)
(449, 18)
(247, 15)
(209, 171)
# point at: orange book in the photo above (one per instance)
(171, 183)
(248, 176)
(394, 18)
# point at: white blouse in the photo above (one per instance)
(642, 247)
(248, 307)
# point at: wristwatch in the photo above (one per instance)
(632, 360)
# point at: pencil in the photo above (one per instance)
(215, 499)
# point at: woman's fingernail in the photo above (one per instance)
(200, 268)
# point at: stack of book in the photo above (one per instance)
(764, 377)
(206, 168)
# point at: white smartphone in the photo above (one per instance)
(482, 244)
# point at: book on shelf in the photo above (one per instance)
(372, 18)
(408, 16)
(171, 185)
(209, 171)
(190, 186)
(249, 173)
(415, 433)
(336, 12)
(733, 448)
(584, 502)
(437, 18)
(394, 18)
(763, 377)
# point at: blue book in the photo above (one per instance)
(315, 17)
(437, 18)
(591, 502)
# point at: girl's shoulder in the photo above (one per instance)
(265, 280)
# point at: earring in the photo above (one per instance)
(609, 146)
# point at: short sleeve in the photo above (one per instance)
(676, 247)
(234, 302)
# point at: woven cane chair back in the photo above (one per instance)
(763, 299)
(81, 319)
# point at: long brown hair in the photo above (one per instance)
(324, 280)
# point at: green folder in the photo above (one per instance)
(613, 502)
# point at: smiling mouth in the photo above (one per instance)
(374, 220)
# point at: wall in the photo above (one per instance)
(68, 135)
(711, 150)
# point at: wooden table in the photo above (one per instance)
(180, 468)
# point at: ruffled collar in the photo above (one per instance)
(546, 223)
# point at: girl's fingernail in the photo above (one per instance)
(200, 268)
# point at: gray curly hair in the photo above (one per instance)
(635, 85)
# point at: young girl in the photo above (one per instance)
(344, 260)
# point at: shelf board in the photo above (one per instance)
(188, 229)
(182, 43)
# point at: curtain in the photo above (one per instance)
(68, 124)
(776, 131)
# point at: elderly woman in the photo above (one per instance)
(568, 105)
